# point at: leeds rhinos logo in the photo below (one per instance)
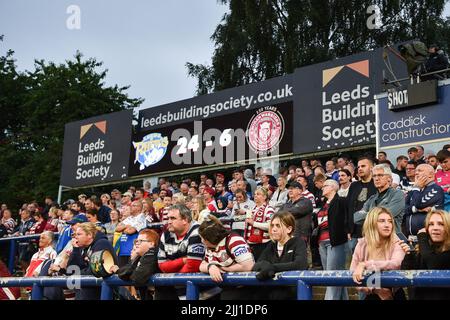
(150, 150)
(265, 130)
(361, 67)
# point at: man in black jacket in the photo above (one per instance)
(358, 194)
(88, 240)
(143, 264)
(301, 208)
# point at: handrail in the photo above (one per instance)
(304, 280)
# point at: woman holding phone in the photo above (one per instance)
(378, 250)
(433, 253)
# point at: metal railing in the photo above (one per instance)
(304, 280)
(13, 246)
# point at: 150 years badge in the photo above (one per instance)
(265, 130)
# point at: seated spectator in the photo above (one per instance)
(143, 264)
(378, 250)
(7, 224)
(257, 222)
(7, 293)
(241, 206)
(223, 207)
(400, 169)
(149, 211)
(433, 254)
(39, 225)
(102, 209)
(65, 235)
(209, 194)
(284, 253)
(332, 172)
(280, 196)
(180, 249)
(166, 203)
(425, 196)
(25, 251)
(88, 240)
(225, 252)
(45, 252)
(443, 176)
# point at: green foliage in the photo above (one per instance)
(261, 39)
(35, 106)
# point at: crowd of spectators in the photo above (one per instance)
(306, 216)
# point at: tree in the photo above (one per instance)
(37, 104)
(262, 39)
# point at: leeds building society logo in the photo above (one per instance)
(265, 130)
(361, 67)
(150, 150)
(101, 125)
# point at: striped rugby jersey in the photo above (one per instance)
(170, 248)
(237, 247)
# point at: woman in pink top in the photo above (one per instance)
(378, 250)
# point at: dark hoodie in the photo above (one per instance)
(80, 257)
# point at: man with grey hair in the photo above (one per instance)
(386, 197)
(248, 175)
(425, 196)
(180, 249)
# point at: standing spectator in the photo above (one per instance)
(225, 252)
(110, 227)
(88, 241)
(193, 192)
(414, 155)
(139, 194)
(420, 155)
(162, 214)
(224, 209)
(443, 176)
(130, 228)
(149, 211)
(379, 250)
(199, 210)
(248, 175)
(319, 180)
(116, 197)
(257, 222)
(343, 161)
(424, 197)
(105, 199)
(284, 253)
(280, 196)
(180, 249)
(221, 192)
(433, 254)
(241, 206)
(241, 184)
(358, 194)
(301, 208)
(209, 193)
(433, 161)
(332, 172)
(306, 193)
(407, 183)
(400, 169)
(184, 189)
(386, 196)
(333, 223)
(345, 180)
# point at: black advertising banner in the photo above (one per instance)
(250, 134)
(254, 95)
(96, 150)
(334, 101)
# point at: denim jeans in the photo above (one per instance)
(333, 258)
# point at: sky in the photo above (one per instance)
(143, 43)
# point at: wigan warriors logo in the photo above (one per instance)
(265, 130)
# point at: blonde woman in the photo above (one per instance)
(378, 250)
(199, 210)
(433, 253)
(257, 222)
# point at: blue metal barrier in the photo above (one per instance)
(13, 246)
(304, 280)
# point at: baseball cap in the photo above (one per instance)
(295, 184)
(79, 218)
(127, 194)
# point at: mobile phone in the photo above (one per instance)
(401, 236)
